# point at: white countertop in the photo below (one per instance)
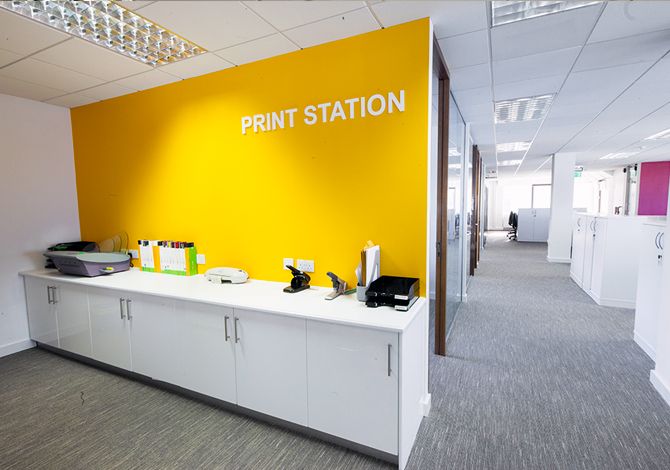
(254, 294)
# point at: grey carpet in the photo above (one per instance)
(539, 377)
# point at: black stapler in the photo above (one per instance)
(299, 282)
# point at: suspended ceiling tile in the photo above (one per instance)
(7, 57)
(546, 64)
(198, 65)
(522, 131)
(621, 19)
(465, 78)
(107, 91)
(629, 50)
(91, 59)
(525, 88)
(146, 80)
(285, 15)
(210, 24)
(449, 18)
(23, 89)
(332, 29)
(542, 34)
(72, 101)
(24, 36)
(466, 49)
(42, 73)
(257, 49)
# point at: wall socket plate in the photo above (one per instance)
(200, 258)
(134, 254)
(306, 265)
(286, 261)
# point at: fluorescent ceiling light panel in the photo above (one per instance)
(110, 25)
(522, 109)
(510, 11)
(617, 156)
(509, 162)
(513, 147)
(661, 135)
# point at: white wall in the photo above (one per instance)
(560, 222)
(39, 202)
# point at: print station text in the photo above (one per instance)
(350, 108)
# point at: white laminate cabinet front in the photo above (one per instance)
(154, 337)
(207, 347)
(110, 328)
(352, 377)
(649, 299)
(271, 363)
(41, 311)
(74, 332)
(578, 244)
(588, 253)
(599, 256)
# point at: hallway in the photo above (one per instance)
(539, 376)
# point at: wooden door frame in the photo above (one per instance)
(476, 198)
(442, 222)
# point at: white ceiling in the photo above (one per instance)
(607, 64)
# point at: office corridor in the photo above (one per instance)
(540, 377)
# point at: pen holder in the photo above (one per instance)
(360, 293)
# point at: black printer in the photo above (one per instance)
(393, 291)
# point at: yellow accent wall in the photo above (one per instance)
(172, 163)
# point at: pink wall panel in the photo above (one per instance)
(653, 196)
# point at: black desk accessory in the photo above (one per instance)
(339, 286)
(393, 291)
(299, 282)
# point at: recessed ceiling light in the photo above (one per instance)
(522, 109)
(511, 11)
(110, 25)
(617, 155)
(513, 147)
(661, 135)
(509, 162)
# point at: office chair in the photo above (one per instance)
(513, 221)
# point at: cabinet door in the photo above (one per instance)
(588, 253)
(41, 312)
(578, 245)
(207, 349)
(74, 333)
(649, 289)
(353, 384)
(154, 338)
(541, 225)
(271, 364)
(110, 329)
(599, 251)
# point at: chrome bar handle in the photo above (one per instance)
(237, 338)
(128, 314)
(121, 301)
(49, 301)
(225, 327)
(54, 295)
(389, 360)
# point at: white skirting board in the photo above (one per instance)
(661, 387)
(646, 347)
(559, 260)
(425, 403)
(11, 348)
(617, 303)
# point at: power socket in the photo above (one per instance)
(134, 254)
(287, 261)
(200, 258)
(306, 265)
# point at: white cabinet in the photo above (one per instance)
(649, 288)
(533, 225)
(207, 348)
(74, 333)
(352, 377)
(42, 319)
(579, 228)
(58, 315)
(609, 259)
(271, 363)
(154, 337)
(110, 328)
